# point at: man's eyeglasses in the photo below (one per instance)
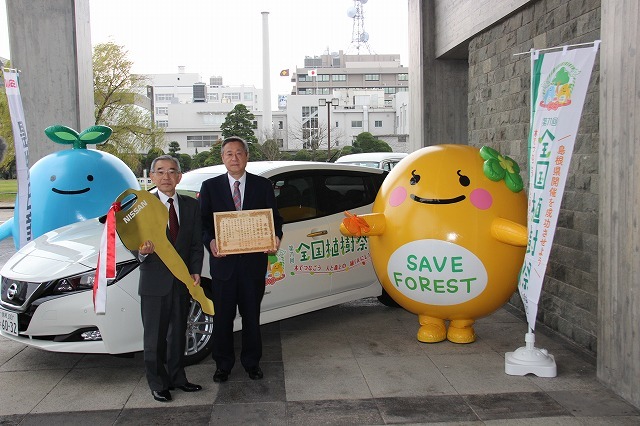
(170, 172)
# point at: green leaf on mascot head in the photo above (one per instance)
(66, 136)
(61, 134)
(497, 167)
(95, 134)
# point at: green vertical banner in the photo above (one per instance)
(559, 85)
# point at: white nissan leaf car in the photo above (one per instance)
(46, 287)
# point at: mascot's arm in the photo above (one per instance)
(6, 229)
(365, 225)
(509, 232)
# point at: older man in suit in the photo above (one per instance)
(237, 280)
(164, 300)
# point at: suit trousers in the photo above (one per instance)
(165, 325)
(245, 291)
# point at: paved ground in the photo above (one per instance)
(357, 363)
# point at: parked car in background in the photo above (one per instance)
(46, 287)
(380, 160)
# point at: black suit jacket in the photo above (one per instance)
(155, 278)
(215, 196)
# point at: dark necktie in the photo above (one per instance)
(173, 221)
(237, 200)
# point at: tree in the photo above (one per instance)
(173, 148)
(151, 155)
(199, 159)
(314, 138)
(115, 92)
(185, 162)
(270, 150)
(239, 122)
(366, 142)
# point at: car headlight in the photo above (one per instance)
(75, 283)
(85, 281)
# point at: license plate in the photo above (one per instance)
(9, 322)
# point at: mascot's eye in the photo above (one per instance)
(464, 181)
(53, 178)
(414, 178)
(90, 178)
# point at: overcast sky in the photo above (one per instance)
(224, 37)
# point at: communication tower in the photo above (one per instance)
(359, 37)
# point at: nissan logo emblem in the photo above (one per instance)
(12, 291)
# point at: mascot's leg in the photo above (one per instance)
(432, 330)
(461, 331)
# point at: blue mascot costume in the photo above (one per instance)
(72, 185)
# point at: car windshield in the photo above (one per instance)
(193, 181)
(373, 164)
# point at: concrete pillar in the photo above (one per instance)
(50, 43)
(437, 85)
(619, 237)
(416, 78)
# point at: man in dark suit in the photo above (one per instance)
(237, 280)
(164, 300)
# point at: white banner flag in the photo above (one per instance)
(21, 143)
(559, 86)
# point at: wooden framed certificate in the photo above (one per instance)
(244, 231)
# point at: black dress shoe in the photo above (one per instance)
(162, 396)
(188, 387)
(220, 375)
(255, 373)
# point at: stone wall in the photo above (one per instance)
(498, 113)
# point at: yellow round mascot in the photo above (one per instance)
(448, 236)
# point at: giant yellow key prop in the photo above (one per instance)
(144, 217)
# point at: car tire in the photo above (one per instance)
(199, 338)
(387, 300)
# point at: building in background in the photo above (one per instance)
(192, 111)
(372, 93)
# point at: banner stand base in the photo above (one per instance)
(530, 359)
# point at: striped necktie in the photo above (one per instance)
(237, 200)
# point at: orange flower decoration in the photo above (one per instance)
(355, 224)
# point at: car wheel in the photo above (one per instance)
(199, 335)
(387, 300)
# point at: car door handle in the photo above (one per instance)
(317, 234)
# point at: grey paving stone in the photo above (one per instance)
(404, 376)
(373, 343)
(334, 412)
(111, 361)
(313, 344)
(11, 420)
(514, 405)
(325, 379)
(429, 409)
(93, 418)
(260, 413)
(30, 359)
(480, 374)
(237, 392)
(94, 389)
(9, 349)
(592, 403)
(166, 415)
(541, 421)
(21, 391)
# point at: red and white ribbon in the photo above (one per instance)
(106, 269)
